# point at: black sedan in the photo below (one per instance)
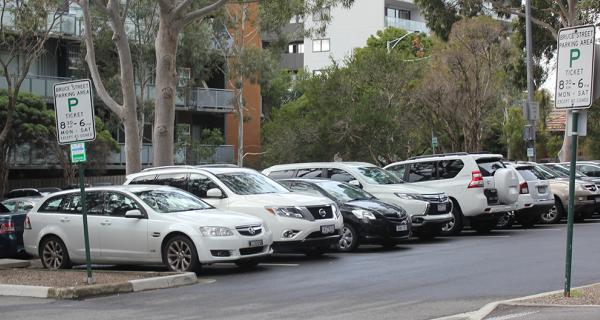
(366, 219)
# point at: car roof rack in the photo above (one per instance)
(168, 167)
(439, 155)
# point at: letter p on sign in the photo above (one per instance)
(72, 102)
(574, 55)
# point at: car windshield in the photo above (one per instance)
(547, 173)
(169, 201)
(489, 166)
(529, 174)
(247, 183)
(376, 175)
(566, 171)
(343, 192)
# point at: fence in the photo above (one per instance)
(60, 182)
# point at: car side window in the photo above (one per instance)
(305, 188)
(590, 170)
(94, 204)
(199, 184)
(117, 204)
(310, 173)
(52, 204)
(339, 175)
(149, 179)
(177, 180)
(449, 169)
(398, 170)
(421, 171)
(282, 174)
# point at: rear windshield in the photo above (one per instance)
(529, 174)
(489, 166)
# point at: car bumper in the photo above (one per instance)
(585, 207)
(380, 231)
(535, 209)
(10, 246)
(308, 243)
(212, 250)
(419, 221)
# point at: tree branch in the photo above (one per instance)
(516, 11)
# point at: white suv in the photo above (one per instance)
(302, 223)
(142, 225)
(480, 186)
(429, 209)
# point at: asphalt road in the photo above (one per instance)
(418, 280)
(544, 313)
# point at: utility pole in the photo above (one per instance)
(530, 90)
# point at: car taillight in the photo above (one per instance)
(27, 223)
(523, 188)
(476, 180)
(7, 227)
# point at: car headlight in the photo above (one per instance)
(407, 196)
(216, 232)
(363, 214)
(288, 212)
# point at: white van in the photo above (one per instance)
(299, 223)
(429, 209)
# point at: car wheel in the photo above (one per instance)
(54, 254)
(455, 226)
(247, 264)
(554, 214)
(349, 240)
(179, 255)
(527, 222)
(505, 221)
(484, 226)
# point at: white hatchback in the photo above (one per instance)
(142, 225)
(299, 223)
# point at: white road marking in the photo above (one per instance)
(513, 316)
(280, 264)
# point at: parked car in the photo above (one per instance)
(535, 198)
(565, 172)
(366, 219)
(589, 168)
(479, 185)
(143, 225)
(587, 196)
(11, 232)
(428, 208)
(299, 223)
(21, 205)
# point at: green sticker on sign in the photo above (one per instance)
(78, 153)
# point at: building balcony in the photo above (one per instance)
(292, 61)
(65, 24)
(408, 25)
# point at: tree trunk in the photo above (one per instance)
(166, 89)
(240, 102)
(4, 168)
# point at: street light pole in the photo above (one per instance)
(530, 89)
(391, 44)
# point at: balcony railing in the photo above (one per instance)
(65, 24)
(408, 25)
(223, 154)
(197, 99)
(41, 86)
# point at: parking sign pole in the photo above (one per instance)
(571, 212)
(86, 238)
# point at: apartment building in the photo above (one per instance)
(208, 106)
(349, 29)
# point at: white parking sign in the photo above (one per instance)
(75, 121)
(575, 67)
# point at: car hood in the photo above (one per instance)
(401, 188)
(215, 217)
(286, 199)
(371, 205)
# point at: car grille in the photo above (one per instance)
(250, 231)
(592, 187)
(254, 250)
(439, 197)
(395, 216)
(322, 212)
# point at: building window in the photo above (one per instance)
(320, 45)
(297, 47)
(296, 19)
(397, 13)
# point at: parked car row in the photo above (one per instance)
(188, 216)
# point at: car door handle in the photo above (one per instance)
(105, 223)
(65, 219)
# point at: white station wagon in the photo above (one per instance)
(142, 225)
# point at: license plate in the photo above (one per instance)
(255, 243)
(441, 207)
(542, 189)
(401, 227)
(327, 229)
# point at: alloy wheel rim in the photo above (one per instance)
(449, 225)
(503, 221)
(179, 256)
(53, 255)
(550, 215)
(346, 239)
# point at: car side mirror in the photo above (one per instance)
(214, 193)
(134, 214)
(355, 183)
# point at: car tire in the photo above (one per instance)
(505, 221)
(484, 226)
(454, 227)
(180, 255)
(54, 254)
(349, 240)
(553, 215)
(528, 222)
(247, 264)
